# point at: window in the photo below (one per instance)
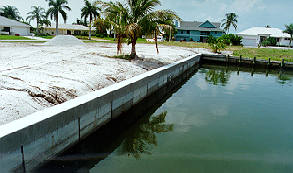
(188, 32)
(287, 38)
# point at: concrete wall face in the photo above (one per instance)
(44, 134)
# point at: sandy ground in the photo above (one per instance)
(34, 77)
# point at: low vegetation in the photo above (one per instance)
(266, 53)
(13, 37)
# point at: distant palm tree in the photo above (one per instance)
(10, 12)
(90, 10)
(231, 19)
(37, 14)
(56, 7)
(158, 21)
(289, 30)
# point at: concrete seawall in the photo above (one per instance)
(26, 142)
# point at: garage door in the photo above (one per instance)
(249, 42)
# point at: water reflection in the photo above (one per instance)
(283, 78)
(217, 77)
(143, 135)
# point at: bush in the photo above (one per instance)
(231, 39)
(216, 44)
(269, 42)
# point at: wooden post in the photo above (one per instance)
(283, 63)
(227, 58)
(240, 59)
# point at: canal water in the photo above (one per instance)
(220, 120)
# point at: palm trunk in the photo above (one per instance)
(156, 41)
(57, 25)
(38, 31)
(119, 44)
(133, 50)
(170, 34)
(90, 34)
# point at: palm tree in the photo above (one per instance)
(56, 7)
(289, 30)
(10, 12)
(90, 10)
(138, 15)
(160, 20)
(37, 14)
(117, 15)
(231, 19)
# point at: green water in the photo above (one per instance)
(219, 121)
(222, 122)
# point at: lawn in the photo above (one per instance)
(266, 53)
(46, 36)
(12, 37)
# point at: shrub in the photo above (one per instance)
(231, 39)
(216, 44)
(269, 42)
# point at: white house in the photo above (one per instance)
(254, 36)
(12, 27)
(66, 29)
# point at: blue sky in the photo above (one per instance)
(275, 13)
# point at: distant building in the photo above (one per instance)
(197, 31)
(13, 27)
(67, 29)
(254, 36)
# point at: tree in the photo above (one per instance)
(90, 10)
(231, 19)
(56, 7)
(160, 20)
(138, 14)
(289, 30)
(10, 12)
(39, 15)
(117, 16)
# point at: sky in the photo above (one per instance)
(275, 13)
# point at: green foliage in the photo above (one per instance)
(39, 15)
(216, 44)
(231, 39)
(231, 20)
(101, 27)
(269, 42)
(10, 12)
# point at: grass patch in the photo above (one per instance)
(3, 41)
(125, 57)
(13, 37)
(266, 53)
(46, 36)
(184, 44)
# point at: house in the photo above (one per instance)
(197, 31)
(255, 35)
(13, 27)
(66, 29)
